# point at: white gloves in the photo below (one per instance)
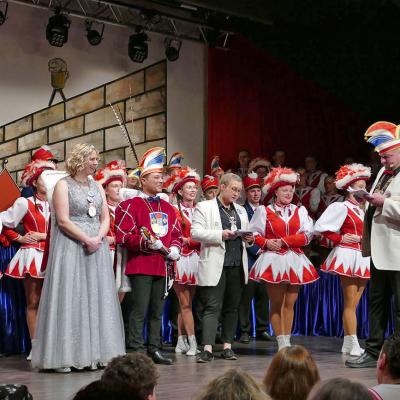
(155, 245)
(174, 254)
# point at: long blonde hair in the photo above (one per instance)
(78, 156)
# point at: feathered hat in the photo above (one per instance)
(113, 171)
(257, 163)
(43, 153)
(251, 181)
(276, 178)
(209, 182)
(134, 173)
(175, 182)
(33, 170)
(152, 161)
(215, 167)
(348, 174)
(383, 135)
(175, 161)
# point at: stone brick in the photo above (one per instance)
(146, 104)
(8, 148)
(85, 103)
(61, 166)
(1, 134)
(66, 130)
(49, 116)
(14, 176)
(18, 161)
(122, 89)
(118, 154)
(155, 76)
(141, 149)
(18, 128)
(155, 127)
(18, 176)
(35, 139)
(95, 138)
(102, 118)
(115, 139)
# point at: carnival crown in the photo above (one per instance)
(383, 135)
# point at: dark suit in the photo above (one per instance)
(256, 290)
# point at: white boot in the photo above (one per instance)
(182, 345)
(282, 342)
(192, 346)
(29, 358)
(355, 350)
(287, 340)
(346, 344)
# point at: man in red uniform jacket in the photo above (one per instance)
(145, 265)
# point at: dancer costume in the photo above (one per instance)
(115, 171)
(290, 223)
(79, 320)
(188, 264)
(309, 198)
(316, 179)
(34, 215)
(341, 218)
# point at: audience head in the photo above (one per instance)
(136, 371)
(232, 385)
(340, 389)
(279, 158)
(311, 163)
(388, 366)
(291, 374)
(97, 390)
(329, 184)
(243, 158)
(83, 158)
(302, 177)
(230, 188)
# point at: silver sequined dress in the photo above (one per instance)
(79, 320)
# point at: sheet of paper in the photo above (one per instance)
(361, 193)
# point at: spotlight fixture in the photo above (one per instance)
(172, 48)
(94, 37)
(3, 12)
(137, 48)
(57, 29)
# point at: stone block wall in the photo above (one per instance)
(88, 118)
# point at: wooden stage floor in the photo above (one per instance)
(183, 379)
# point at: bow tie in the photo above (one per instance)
(389, 172)
(152, 199)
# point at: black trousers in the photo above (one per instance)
(258, 291)
(147, 299)
(221, 301)
(383, 285)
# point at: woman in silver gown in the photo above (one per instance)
(79, 319)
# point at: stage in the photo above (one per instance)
(182, 380)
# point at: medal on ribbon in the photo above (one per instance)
(159, 223)
(92, 208)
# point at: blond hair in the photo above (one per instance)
(227, 178)
(78, 156)
(233, 385)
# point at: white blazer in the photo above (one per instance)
(383, 242)
(207, 229)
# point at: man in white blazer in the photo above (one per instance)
(381, 241)
(223, 269)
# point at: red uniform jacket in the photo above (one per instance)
(193, 245)
(130, 216)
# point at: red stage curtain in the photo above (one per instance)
(258, 103)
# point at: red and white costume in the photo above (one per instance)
(308, 197)
(34, 215)
(345, 218)
(188, 264)
(115, 171)
(289, 223)
(327, 200)
(316, 179)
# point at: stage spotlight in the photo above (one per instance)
(172, 48)
(3, 12)
(57, 29)
(94, 37)
(137, 48)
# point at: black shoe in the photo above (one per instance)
(265, 336)
(158, 358)
(205, 357)
(244, 338)
(364, 361)
(228, 354)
